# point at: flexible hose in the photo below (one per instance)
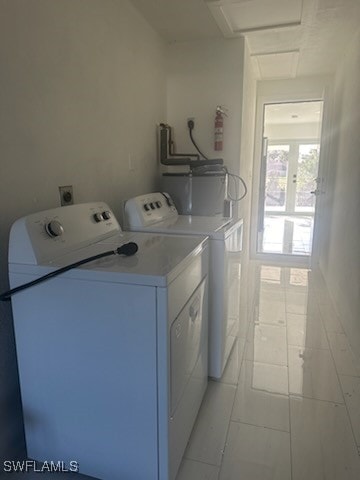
(225, 170)
(237, 199)
(195, 144)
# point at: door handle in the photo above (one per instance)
(315, 192)
(194, 310)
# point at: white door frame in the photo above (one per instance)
(318, 94)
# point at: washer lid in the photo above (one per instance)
(214, 227)
(159, 260)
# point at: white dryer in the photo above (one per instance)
(156, 212)
(112, 356)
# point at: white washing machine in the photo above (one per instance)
(156, 212)
(112, 355)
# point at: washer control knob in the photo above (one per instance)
(106, 215)
(98, 217)
(146, 207)
(54, 229)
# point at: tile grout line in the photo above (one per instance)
(249, 319)
(297, 395)
(260, 426)
(337, 373)
(288, 374)
(196, 460)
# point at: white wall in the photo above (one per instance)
(340, 226)
(302, 88)
(247, 142)
(292, 131)
(202, 75)
(82, 86)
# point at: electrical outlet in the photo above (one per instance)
(66, 195)
(191, 122)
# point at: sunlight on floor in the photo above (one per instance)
(287, 234)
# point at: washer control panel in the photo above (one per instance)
(102, 216)
(43, 236)
(54, 228)
(148, 209)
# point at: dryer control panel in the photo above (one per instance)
(145, 210)
(43, 236)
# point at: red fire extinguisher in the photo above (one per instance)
(219, 129)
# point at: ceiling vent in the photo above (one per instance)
(239, 17)
(276, 65)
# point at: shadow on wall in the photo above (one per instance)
(330, 140)
(12, 440)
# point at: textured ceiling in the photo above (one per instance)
(317, 32)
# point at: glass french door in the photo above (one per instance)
(306, 177)
(291, 175)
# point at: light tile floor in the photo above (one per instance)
(288, 404)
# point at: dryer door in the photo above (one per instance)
(187, 337)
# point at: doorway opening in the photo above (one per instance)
(289, 177)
